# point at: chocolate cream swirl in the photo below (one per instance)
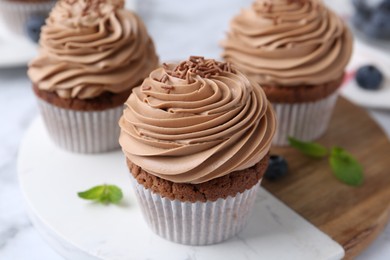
(89, 47)
(196, 121)
(289, 42)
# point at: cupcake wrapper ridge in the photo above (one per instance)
(304, 121)
(82, 131)
(199, 223)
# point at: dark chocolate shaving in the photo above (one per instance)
(94, 5)
(71, 2)
(301, 2)
(168, 88)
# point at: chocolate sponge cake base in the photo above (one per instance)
(105, 101)
(222, 187)
(301, 94)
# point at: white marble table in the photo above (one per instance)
(176, 36)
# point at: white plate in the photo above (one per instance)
(50, 179)
(15, 50)
(365, 53)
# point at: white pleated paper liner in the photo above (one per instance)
(82, 131)
(199, 223)
(304, 121)
(16, 13)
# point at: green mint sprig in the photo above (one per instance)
(104, 194)
(344, 166)
(308, 148)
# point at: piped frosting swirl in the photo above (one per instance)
(196, 121)
(89, 47)
(289, 42)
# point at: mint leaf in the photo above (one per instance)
(309, 148)
(93, 193)
(345, 167)
(115, 195)
(104, 194)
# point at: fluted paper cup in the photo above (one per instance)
(198, 223)
(304, 121)
(15, 14)
(82, 131)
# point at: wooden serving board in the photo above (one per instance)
(352, 216)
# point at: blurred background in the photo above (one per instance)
(179, 29)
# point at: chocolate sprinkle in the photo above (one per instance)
(168, 87)
(301, 2)
(198, 65)
(94, 5)
(71, 2)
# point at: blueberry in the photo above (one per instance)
(379, 25)
(369, 77)
(362, 7)
(384, 6)
(360, 20)
(277, 167)
(362, 14)
(33, 26)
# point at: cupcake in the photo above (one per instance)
(196, 137)
(15, 14)
(92, 54)
(297, 51)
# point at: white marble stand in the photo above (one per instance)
(50, 179)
